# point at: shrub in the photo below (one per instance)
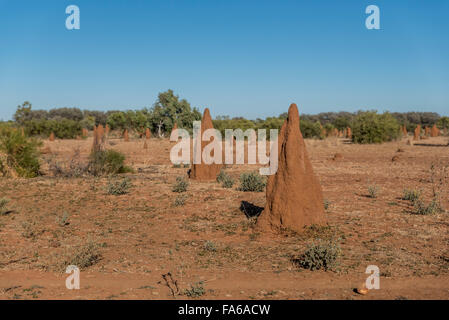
(327, 204)
(225, 179)
(103, 162)
(84, 256)
(180, 201)
(20, 153)
(321, 255)
(252, 181)
(411, 195)
(196, 290)
(422, 209)
(373, 191)
(180, 185)
(310, 129)
(3, 206)
(370, 127)
(119, 187)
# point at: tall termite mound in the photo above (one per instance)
(417, 133)
(147, 133)
(294, 195)
(434, 132)
(99, 138)
(126, 135)
(203, 171)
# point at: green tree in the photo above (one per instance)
(370, 127)
(168, 110)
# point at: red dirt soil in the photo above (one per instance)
(142, 235)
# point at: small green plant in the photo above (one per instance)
(180, 185)
(210, 246)
(180, 201)
(64, 221)
(411, 195)
(105, 162)
(196, 290)
(252, 182)
(373, 191)
(327, 204)
(119, 187)
(84, 256)
(320, 255)
(225, 179)
(3, 206)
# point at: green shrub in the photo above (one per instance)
(327, 204)
(119, 187)
(84, 256)
(180, 185)
(196, 290)
(310, 129)
(225, 179)
(321, 255)
(370, 127)
(422, 209)
(411, 195)
(18, 153)
(180, 201)
(373, 191)
(252, 182)
(104, 162)
(3, 206)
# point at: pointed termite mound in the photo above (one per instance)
(98, 142)
(145, 145)
(348, 133)
(52, 137)
(417, 133)
(294, 195)
(85, 133)
(106, 130)
(126, 135)
(434, 132)
(147, 133)
(203, 171)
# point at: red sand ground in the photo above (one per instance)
(142, 235)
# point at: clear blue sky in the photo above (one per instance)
(237, 57)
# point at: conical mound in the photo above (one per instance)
(294, 195)
(204, 171)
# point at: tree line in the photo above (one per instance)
(169, 109)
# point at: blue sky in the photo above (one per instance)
(237, 57)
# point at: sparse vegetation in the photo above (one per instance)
(180, 185)
(252, 182)
(196, 290)
(3, 206)
(83, 256)
(64, 220)
(320, 255)
(326, 204)
(180, 201)
(422, 208)
(225, 179)
(411, 195)
(119, 186)
(373, 191)
(105, 162)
